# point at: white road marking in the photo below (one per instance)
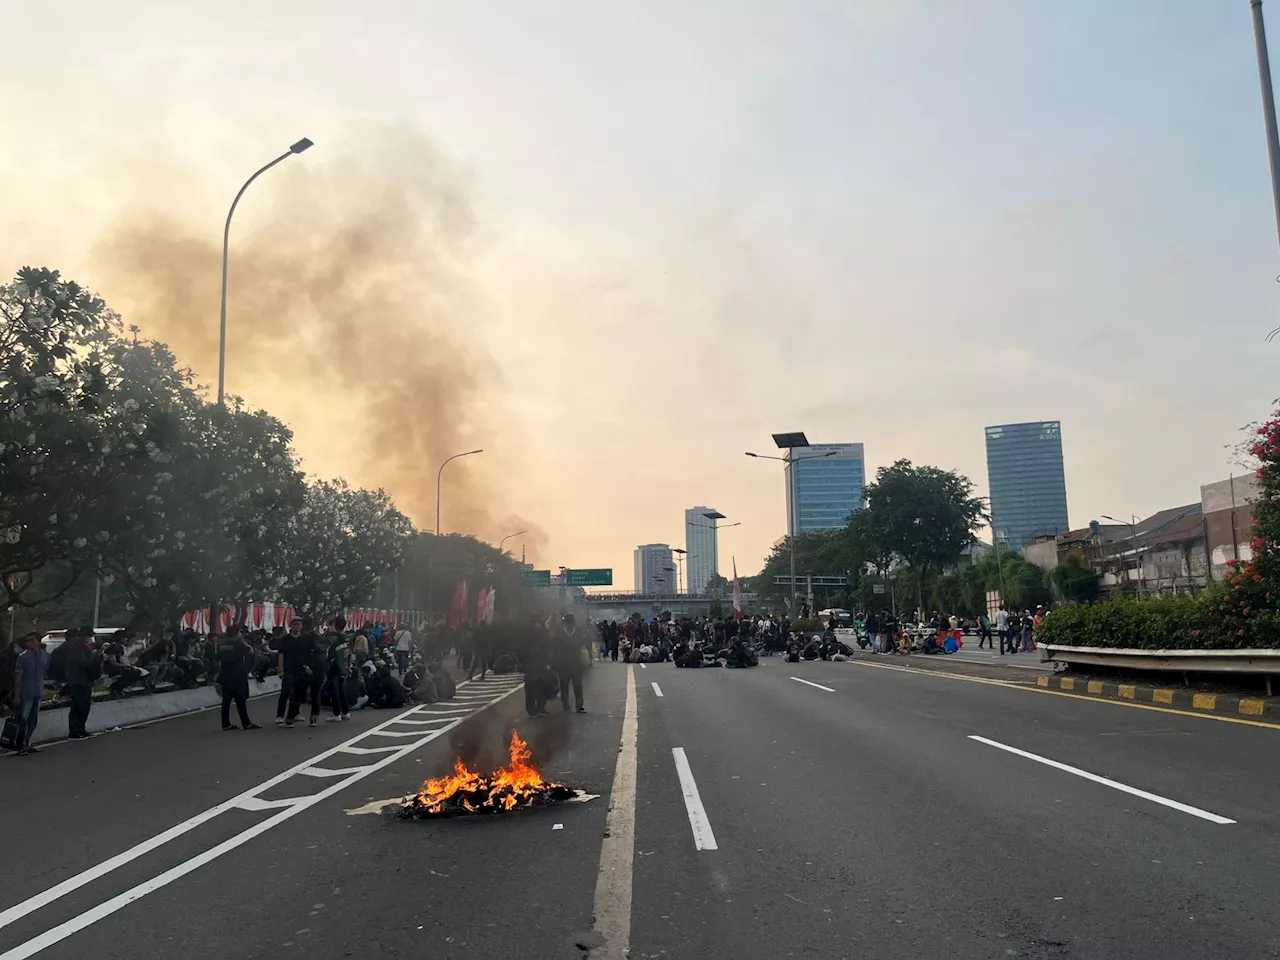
(365, 751)
(657, 690)
(328, 771)
(257, 805)
(617, 851)
(644, 667)
(64, 930)
(421, 723)
(1124, 788)
(812, 684)
(703, 838)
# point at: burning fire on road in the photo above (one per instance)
(512, 787)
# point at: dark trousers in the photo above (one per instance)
(241, 707)
(338, 694)
(287, 683)
(1006, 644)
(571, 675)
(402, 660)
(81, 700)
(304, 687)
(986, 640)
(613, 649)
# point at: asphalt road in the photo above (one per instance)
(852, 815)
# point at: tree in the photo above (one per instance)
(1073, 580)
(52, 340)
(339, 545)
(717, 586)
(925, 515)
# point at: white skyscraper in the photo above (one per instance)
(702, 561)
(654, 569)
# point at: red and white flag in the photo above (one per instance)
(737, 592)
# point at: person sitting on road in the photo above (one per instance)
(389, 692)
(445, 685)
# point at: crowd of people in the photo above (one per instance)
(321, 665)
(326, 665)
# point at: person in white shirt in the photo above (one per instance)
(403, 646)
(1002, 628)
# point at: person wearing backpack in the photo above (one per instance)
(83, 667)
(337, 666)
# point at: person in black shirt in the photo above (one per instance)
(311, 662)
(234, 656)
(289, 654)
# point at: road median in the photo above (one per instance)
(1175, 698)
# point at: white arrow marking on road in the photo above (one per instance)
(657, 689)
(812, 684)
(703, 838)
(1124, 788)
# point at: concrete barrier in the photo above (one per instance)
(109, 714)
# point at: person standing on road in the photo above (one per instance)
(984, 630)
(1002, 629)
(403, 647)
(289, 666)
(567, 653)
(872, 627)
(28, 691)
(234, 659)
(84, 666)
(313, 673)
(337, 665)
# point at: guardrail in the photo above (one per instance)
(1182, 661)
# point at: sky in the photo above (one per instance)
(618, 244)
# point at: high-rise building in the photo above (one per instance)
(702, 557)
(824, 486)
(654, 570)
(1027, 482)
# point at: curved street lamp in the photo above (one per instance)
(508, 537)
(298, 147)
(793, 520)
(431, 580)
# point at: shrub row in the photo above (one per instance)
(1161, 623)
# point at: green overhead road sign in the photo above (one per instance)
(599, 577)
(536, 578)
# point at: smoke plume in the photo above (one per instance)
(351, 315)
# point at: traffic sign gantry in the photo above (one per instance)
(598, 577)
(536, 578)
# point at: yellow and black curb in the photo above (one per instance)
(1219, 704)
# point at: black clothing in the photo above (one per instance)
(81, 701)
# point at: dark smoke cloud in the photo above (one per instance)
(355, 290)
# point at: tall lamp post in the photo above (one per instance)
(713, 516)
(680, 555)
(431, 580)
(298, 147)
(509, 536)
(789, 442)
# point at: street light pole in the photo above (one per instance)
(298, 147)
(792, 517)
(435, 553)
(508, 537)
(1133, 540)
(1268, 104)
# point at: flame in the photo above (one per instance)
(515, 785)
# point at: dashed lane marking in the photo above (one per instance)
(1106, 782)
(657, 690)
(812, 684)
(703, 837)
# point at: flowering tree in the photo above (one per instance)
(339, 544)
(1246, 612)
(199, 514)
(53, 336)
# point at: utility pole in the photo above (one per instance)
(1268, 105)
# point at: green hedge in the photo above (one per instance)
(1160, 623)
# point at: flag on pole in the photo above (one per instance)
(482, 604)
(490, 604)
(737, 592)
